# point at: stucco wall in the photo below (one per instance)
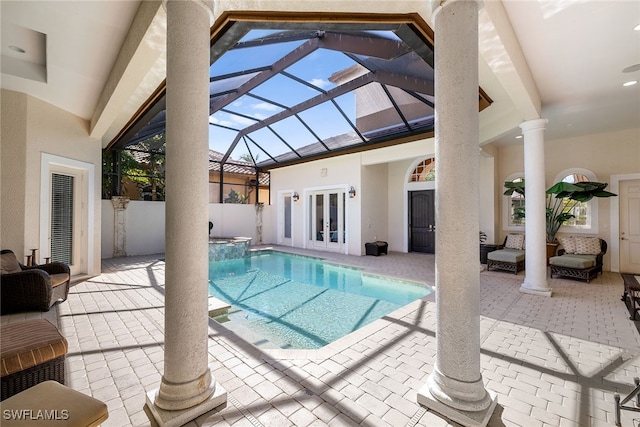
(374, 193)
(13, 158)
(336, 172)
(145, 225)
(36, 129)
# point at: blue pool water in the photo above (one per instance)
(301, 302)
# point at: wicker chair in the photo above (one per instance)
(31, 288)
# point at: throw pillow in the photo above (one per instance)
(515, 241)
(587, 245)
(9, 264)
(568, 243)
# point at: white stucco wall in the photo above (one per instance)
(336, 172)
(39, 128)
(145, 225)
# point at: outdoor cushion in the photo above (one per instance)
(568, 244)
(29, 343)
(573, 261)
(514, 241)
(506, 255)
(58, 279)
(587, 245)
(70, 407)
(9, 263)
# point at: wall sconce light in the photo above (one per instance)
(352, 192)
(296, 197)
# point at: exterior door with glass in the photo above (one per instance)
(327, 219)
(65, 226)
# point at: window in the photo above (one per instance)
(425, 171)
(516, 206)
(585, 213)
(579, 210)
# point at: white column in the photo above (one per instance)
(455, 388)
(119, 225)
(535, 281)
(187, 389)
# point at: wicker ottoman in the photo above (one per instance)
(32, 352)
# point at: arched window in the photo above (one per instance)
(511, 204)
(516, 206)
(580, 210)
(424, 171)
(585, 213)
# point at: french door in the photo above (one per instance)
(326, 221)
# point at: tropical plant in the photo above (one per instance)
(562, 199)
(559, 212)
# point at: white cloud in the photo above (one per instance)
(216, 121)
(243, 121)
(321, 83)
(265, 106)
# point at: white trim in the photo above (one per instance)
(614, 218)
(86, 171)
(305, 195)
(280, 219)
(413, 186)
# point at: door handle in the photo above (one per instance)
(622, 236)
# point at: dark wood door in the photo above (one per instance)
(422, 221)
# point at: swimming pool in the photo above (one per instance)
(301, 302)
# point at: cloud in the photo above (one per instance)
(321, 83)
(265, 106)
(216, 121)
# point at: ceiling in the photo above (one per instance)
(576, 51)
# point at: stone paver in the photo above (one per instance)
(552, 361)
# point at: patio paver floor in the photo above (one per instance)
(552, 361)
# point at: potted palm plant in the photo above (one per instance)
(562, 198)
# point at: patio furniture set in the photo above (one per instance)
(577, 258)
(33, 352)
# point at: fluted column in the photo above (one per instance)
(535, 281)
(455, 388)
(187, 389)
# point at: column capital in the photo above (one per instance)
(119, 202)
(207, 5)
(534, 124)
(438, 5)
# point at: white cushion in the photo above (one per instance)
(587, 245)
(515, 241)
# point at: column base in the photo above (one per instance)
(541, 292)
(465, 418)
(164, 418)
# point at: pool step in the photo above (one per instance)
(217, 307)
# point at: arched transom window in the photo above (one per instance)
(425, 171)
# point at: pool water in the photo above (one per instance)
(301, 302)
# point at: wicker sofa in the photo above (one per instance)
(509, 256)
(578, 257)
(31, 288)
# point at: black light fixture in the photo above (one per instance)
(352, 192)
(296, 196)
